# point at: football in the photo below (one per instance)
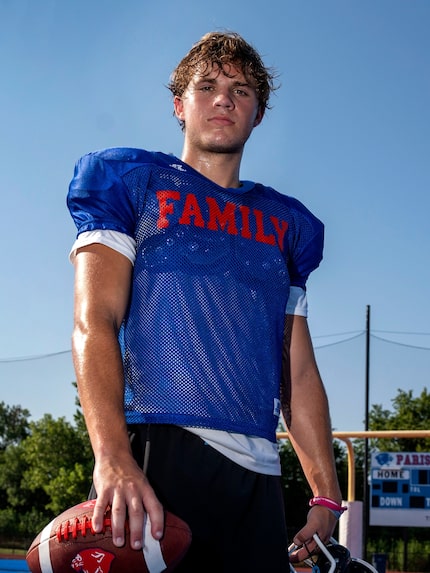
(69, 544)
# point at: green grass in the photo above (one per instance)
(9, 551)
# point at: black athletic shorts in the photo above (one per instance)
(236, 516)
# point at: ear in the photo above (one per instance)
(178, 106)
(259, 116)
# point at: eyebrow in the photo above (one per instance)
(237, 83)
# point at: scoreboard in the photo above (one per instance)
(400, 489)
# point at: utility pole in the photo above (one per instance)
(366, 441)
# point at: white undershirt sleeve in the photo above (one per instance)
(120, 242)
(297, 302)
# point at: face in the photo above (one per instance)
(220, 111)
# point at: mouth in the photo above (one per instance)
(221, 120)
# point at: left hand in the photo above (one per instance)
(321, 521)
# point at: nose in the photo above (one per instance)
(224, 99)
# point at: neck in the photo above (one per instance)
(221, 168)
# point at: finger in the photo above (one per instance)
(304, 552)
(309, 550)
(302, 542)
(118, 513)
(302, 549)
(136, 517)
(155, 511)
(97, 520)
(293, 553)
(137, 506)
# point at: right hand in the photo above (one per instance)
(321, 521)
(123, 486)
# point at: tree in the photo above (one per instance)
(46, 472)
(45, 467)
(55, 453)
(409, 413)
(14, 425)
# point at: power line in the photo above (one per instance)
(403, 332)
(34, 357)
(340, 341)
(355, 334)
(400, 343)
(338, 334)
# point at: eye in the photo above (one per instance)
(242, 89)
(204, 87)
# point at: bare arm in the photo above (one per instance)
(102, 286)
(306, 412)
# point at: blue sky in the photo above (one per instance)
(349, 135)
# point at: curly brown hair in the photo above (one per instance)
(219, 49)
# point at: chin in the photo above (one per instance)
(223, 146)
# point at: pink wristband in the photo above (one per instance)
(330, 504)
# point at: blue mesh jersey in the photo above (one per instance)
(202, 338)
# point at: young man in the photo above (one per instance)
(190, 328)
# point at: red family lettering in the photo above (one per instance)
(231, 218)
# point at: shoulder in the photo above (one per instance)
(102, 167)
(297, 211)
(126, 156)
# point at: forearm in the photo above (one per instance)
(99, 373)
(311, 436)
(306, 410)
(102, 282)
